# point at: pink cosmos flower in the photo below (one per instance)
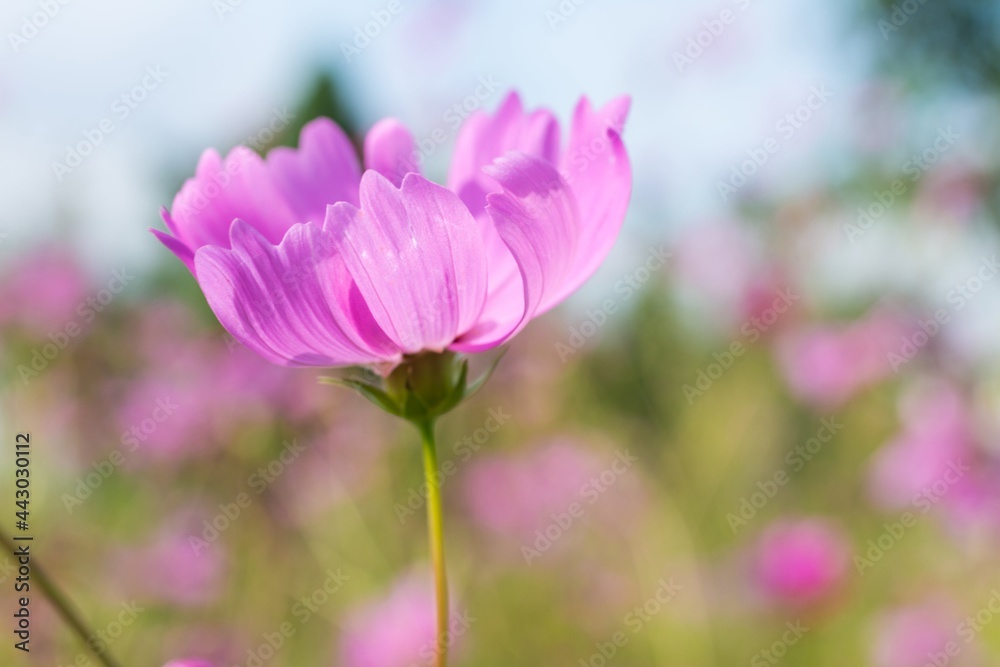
(188, 663)
(718, 260)
(951, 193)
(42, 290)
(184, 577)
(522, 498)
(933, 448)
(310, 262)
(911, 636)
(396, 631)
(801, 561)
(515, 494)
(195, 391)
(827, 364)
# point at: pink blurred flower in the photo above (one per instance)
(42, 290)
(723, 264)
(719, 260)
(196, 390)
(909, 636)
(826, 364)
(951, 192)
(309, 262)
(395, 631)
(801, 561)
(933, 448)
(523, 496)
(337, 466)
(189, 663)
(973, 506)
(170, 570)
(169, 337)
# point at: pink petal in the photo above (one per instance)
(417, 256)
(485, 138)
(173, 244)
(291, 186)
(536, 217)
(324, 170)
(597, 168)
(294, 303)
(504, 305)
(221, 191)
(389, 150)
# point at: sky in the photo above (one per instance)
(225, 64)
(152, 84)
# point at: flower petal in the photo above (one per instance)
(535, 215)
(389, 150)
(324, 170)
(173, 244)
(485, 138)
(418, 259)
(294, 303)
(221, 191)
(597, 168)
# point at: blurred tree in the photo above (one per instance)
(937, 43)
(940, 46)
(323, 98)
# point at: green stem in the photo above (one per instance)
(435, 534)
(61, 603)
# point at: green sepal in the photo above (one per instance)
(458, 392)
(374, 394)
(420, 389)
(481, 380)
